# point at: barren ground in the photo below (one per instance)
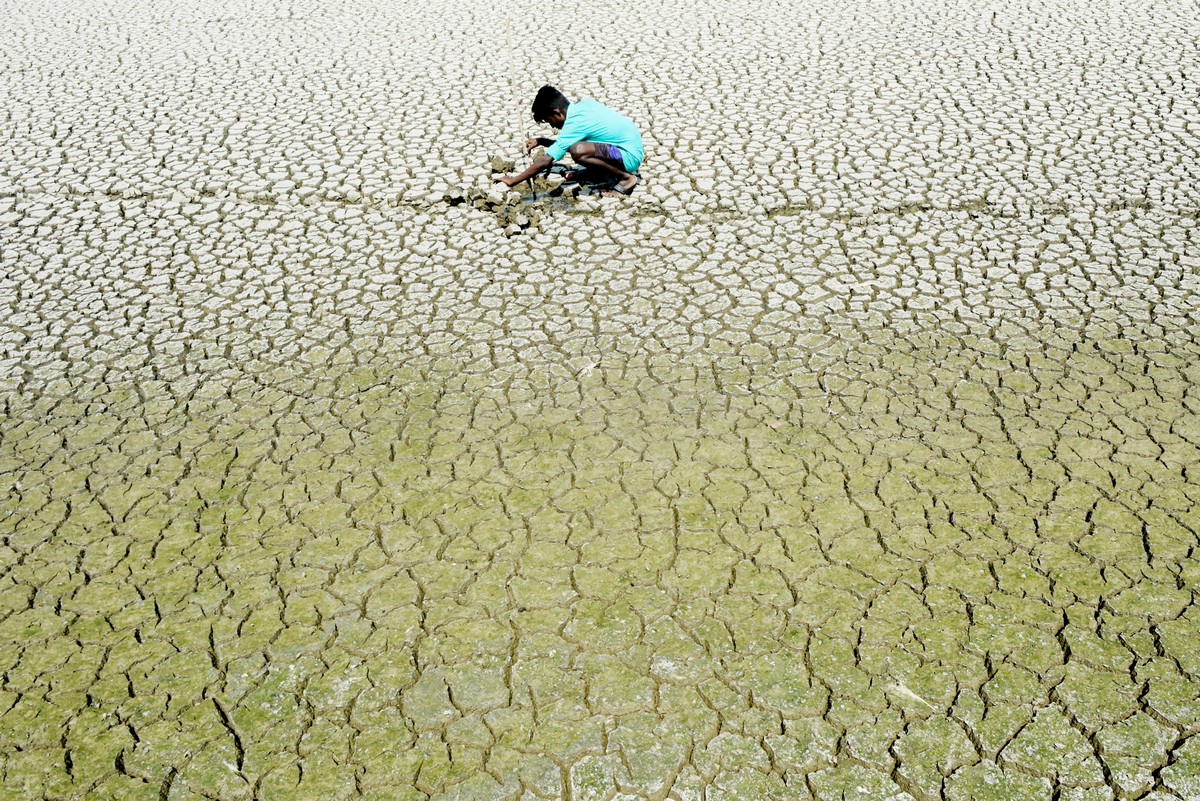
(854, 457)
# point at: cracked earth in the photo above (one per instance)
(856, 456)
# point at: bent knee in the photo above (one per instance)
(580, 150)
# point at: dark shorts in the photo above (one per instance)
(610, 153)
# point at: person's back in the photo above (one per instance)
(592, 121)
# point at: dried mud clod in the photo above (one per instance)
(486, 199)
(510, 204)
(501, 164)
(516, 219)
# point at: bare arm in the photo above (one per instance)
(540, 163)
(538, 141)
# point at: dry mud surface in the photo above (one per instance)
(854, 457)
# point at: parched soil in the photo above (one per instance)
(854, 456)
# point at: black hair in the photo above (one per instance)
(548, 98)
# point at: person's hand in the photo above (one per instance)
(530, 144)
(504, 179)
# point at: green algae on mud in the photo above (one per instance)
(537, 556)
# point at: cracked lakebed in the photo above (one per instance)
(870, 475)
(520, 209)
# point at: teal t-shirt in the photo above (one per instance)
(589, 121)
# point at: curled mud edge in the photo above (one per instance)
(518, 208)
(512, 208)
